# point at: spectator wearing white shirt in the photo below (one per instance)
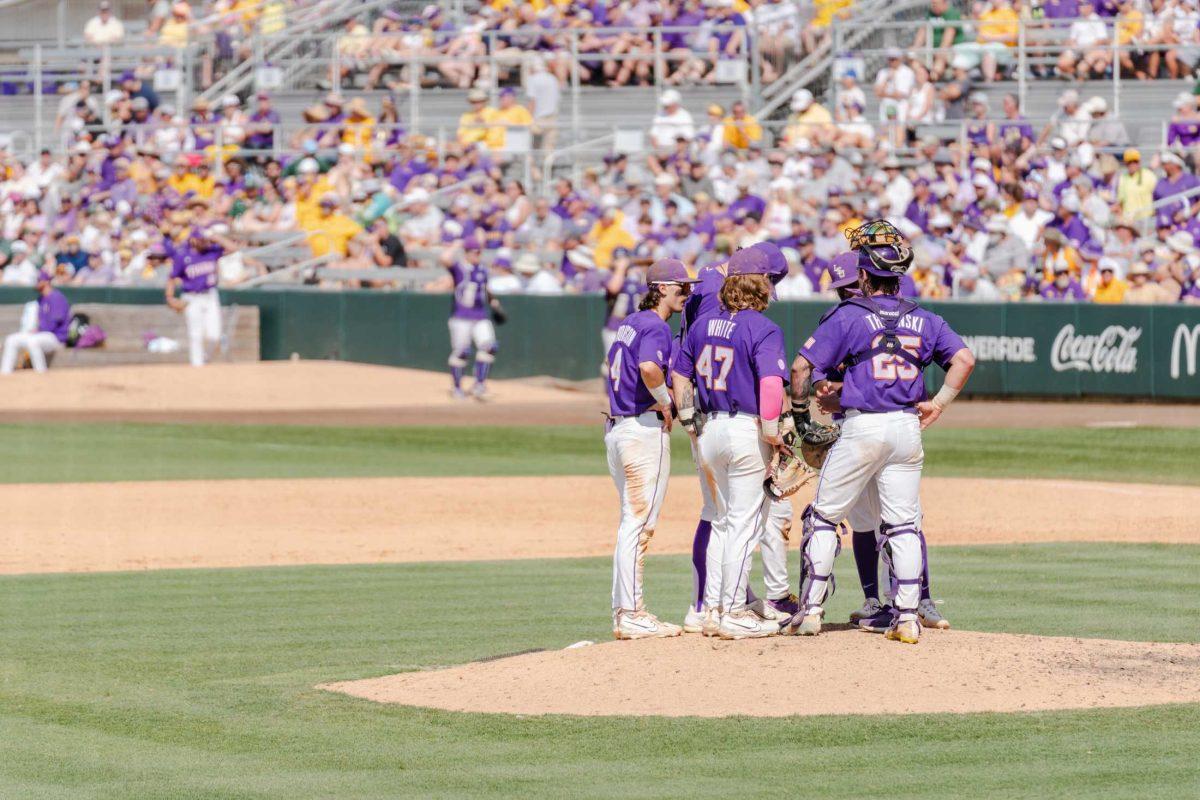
(1028, 222)
(893, 85)
(672, 122)
(969, 284)
(104, 28)
(1087, 52)
(423, 227)
(502, 280)
(544, 95)
(538, 280)
(795, 285)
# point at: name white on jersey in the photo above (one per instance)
(721, 328)
(908, 322)
(626, 334)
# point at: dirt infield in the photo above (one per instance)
(162, 524)
(341, 393)
(952, 671)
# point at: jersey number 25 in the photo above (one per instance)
(887, 367)
(713, 365)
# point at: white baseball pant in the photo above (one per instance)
(773, 548)
(639, 460)
(202, 315)
(467, 332)
(733, 452)
(711, 589)
(38, 344)
(879, 453)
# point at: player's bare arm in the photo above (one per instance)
(685, 402)
(961, 366)
(656, 382)
(801, 391)
(173, 302)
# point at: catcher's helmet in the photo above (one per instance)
(882, 249)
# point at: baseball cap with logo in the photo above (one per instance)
(843, 270)
(777, 265)
(749, 261)
(668, 270)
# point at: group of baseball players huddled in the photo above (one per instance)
(726, 379)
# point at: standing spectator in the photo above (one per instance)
(672, 122)
(53, 322)
(893, 85)
(544, 96)
(104, 28)
(1135, 187)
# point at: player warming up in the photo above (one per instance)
(638, 440)
(885, 343)
(735, 358)
(471, 320)
(194, 272)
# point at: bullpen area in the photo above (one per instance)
(332, 580)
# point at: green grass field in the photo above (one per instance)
(61, 453)
(199, 684)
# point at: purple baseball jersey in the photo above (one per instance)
(883, 382)
(470, 291)
(643, 336)
(195, 269)
(54, 314)
(726, 355)
(624, 302)
(705, 299)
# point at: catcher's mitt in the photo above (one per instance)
(499, 315)
(787, 472)
(816, 441)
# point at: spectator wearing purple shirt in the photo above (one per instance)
(1177, 181)
(1063, 287)
(260, 131)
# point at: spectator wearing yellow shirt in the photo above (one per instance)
(358, 130)
(330, 233)
(473, 125)
(174, 32)
(193, 176)
(999, 28)
(817, 33)
(311, 186)
(1135, 188)
(1130, 27)
(509, 115)
(810, 123)
(741, 129)
(1059, 255)
(1110, 288)
(608, 233)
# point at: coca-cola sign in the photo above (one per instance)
(1114, 349)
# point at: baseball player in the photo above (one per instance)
(471, 319)
(885, 343)
(622, 292)
(780, 603)
(863, 516)
(735, 357)
(638, 440)
(53, 324)
(194, 271)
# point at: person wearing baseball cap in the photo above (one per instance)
(1135, 186)
(53, 324)
(637, 437)
(1110, 289)
(473, 125)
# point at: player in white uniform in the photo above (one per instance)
(735, 358)
(638, 440)
(885, 342)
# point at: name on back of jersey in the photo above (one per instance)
(721, 328)
(626, 334)
(909, 322)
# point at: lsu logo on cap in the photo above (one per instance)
(838, 271)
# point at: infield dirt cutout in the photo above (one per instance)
(842, 671)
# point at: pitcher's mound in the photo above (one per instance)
(839, 672)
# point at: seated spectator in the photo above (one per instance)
(1062, 287)
(672, 122)
(1142, 290)
(1131, 34)
(971, 284)
(47, 336)
(1088, 53)
(1110, 289)
(104, 28)
(810, 122)
(1177, 181)
(473, 125)
(945, 31)
(741, 130)
(998, 31)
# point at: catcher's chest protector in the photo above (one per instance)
(889, 343)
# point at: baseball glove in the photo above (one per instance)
(815, 443)
(499, 315)
(787, 472)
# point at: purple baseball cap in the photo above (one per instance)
(749, 261)
(776, 261)
(668, 270)
(43, 276)
(471, 243)
(843, 270)
(1164, 221)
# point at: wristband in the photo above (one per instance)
(945, 396)
(770, 427)
(661, 395)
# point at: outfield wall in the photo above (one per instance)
(1052, 350)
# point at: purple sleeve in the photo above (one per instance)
(683, 359)
(946, 344)
(655, 345)
(769, 353)
(824, 348)
(177, 268)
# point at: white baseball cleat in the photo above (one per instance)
(869, 609)
(806, 625)
(694, 621)
(712, 622)
(745, 624)
(642, 625)
(770, 610)
(458, 394)
(908, 632)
